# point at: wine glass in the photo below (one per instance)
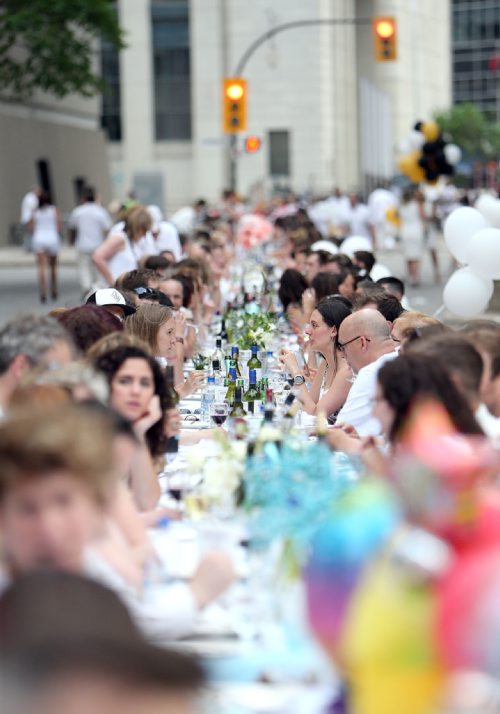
(218, 412)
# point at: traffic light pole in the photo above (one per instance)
(233, 157)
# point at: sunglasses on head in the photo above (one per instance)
(144, 291)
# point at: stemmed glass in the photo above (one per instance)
(218, 412)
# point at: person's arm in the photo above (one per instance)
(103, 254)
(336, 395)
(306, 397)
(59, 221)
(144, 482)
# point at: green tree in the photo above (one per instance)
(51, 45)
(476, 134)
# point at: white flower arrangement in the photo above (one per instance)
(222, 471)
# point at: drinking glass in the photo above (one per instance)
(218, 412)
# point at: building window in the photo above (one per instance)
(111, 119)
(172, 69)
(279, 153)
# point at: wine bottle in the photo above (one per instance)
(172, 400)
(235, 355)
(252, 394)
(238, 409)
(232, 386)
(254, 362)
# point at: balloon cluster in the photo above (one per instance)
(473, 238)
(426, 155)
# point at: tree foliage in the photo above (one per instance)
(51, 44)
(476, 134)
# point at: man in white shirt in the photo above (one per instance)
(366, 343)
(357, 219)
(89, 224)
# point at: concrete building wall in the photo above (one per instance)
(306, 81)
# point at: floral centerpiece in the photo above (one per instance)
(221, 471)
(246, 329)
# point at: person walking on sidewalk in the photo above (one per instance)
(46, 225)
(88, 225)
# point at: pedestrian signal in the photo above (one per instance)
(385, 39)
(252, 144)
(234, 105)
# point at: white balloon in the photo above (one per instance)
(459, 227)
(483, 253)
(489, 207)
(453, 154)
(354, 243)
(467, 294)
(416, 139)
(325, 245)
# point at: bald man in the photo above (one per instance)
(365, 342)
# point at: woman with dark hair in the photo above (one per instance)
(292, 285)
(324, 285)
(138, 393)
(401, 384)
(404, 381)
(46, 225)
(332, 381)
(88, 323)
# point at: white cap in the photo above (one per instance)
(110, 296)
(325, 245)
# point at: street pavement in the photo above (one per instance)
(19, 292)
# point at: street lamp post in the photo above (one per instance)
(250, 51)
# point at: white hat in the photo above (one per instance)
(110, 296)
(325, 245)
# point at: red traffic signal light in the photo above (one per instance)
(385, 38)
(234, 110)
(252, 144)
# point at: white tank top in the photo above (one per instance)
(122, 261)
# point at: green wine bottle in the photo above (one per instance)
(254, 362)
(252, 394)
(238, 409)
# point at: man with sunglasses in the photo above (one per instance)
(366, 343)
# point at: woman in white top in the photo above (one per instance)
(412, 231)
(118, 253)
(46, 226)
(333, 379)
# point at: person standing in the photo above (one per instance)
(412, 216)
(88, 224)
(46, 225)
(28, 205)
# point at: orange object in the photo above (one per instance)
(234, 107)
(252, 144)
(385, 39)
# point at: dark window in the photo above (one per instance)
(44, 178)
(279, 153)
(172, 69)
(111, 120)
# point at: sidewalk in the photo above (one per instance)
(17, 257)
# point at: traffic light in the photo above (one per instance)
(234, 105)
(252, 144)
(385, 39)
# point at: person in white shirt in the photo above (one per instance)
(165, 234)
(88, 224)
(365, 342)
(357, 219)
(60, 471)
(29, 204)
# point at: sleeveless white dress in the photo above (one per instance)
(411, 231)
(124, 260)
(46, 238)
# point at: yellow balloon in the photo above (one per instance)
(392, 216)
(431, 130)
(408, 165)
(387, 647)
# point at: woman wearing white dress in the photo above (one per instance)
(46, 226)
(412, 232)
(120, 251)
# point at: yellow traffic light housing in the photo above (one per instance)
(385, 39)
(234, 110)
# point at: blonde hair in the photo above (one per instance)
(138, 222)
(40, 440)
(146, 321)
(412, 319)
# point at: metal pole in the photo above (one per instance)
(251, 49)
